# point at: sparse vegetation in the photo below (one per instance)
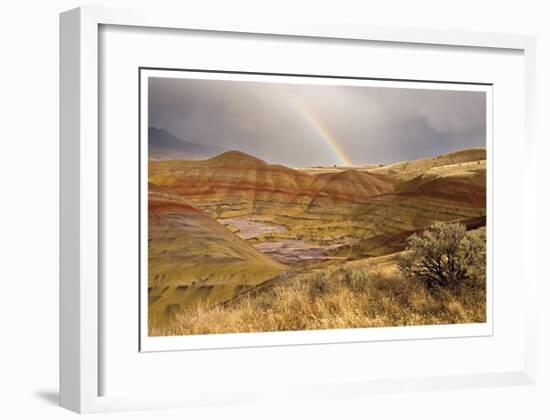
(338, 298)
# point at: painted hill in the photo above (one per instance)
(452, 192)
(350, 203)
(404, 171)
(234, 184)
(192, 256)
(164, 145)
(459, 182)
(352, 183)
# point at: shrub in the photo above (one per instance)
(357, 279)
(445, 256)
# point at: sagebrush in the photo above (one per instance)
(445, 256)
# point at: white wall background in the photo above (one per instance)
(29, 206)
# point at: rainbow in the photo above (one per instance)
(321, 129)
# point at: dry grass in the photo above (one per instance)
(342, 298)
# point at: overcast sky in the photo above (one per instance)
(294, 124)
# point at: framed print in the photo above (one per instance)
(248, 199)
(305, 237)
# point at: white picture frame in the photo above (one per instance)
(81, 315)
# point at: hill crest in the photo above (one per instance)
(236, 157)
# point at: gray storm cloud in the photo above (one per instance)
(370, 124)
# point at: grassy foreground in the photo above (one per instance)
(354, 296)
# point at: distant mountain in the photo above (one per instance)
(164, 146)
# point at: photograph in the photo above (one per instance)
(285, 203)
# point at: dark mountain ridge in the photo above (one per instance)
(164, 146)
